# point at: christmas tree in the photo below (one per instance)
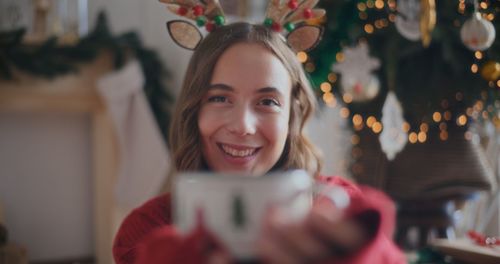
(413, 77)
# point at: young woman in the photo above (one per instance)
(243, 107)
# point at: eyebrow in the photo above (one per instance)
(225, 87)
(220, 86)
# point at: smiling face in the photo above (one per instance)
(244, 116)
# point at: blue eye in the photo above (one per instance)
(269, 102)
(217, 99)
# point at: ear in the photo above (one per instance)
(304, 38)
(184, 34)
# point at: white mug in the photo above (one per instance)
(234, 206)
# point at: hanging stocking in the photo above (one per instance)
(143, 159)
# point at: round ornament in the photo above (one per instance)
(491, 71)
(360, 90)
(408, 19)
(477, 33)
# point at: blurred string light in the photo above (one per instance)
(357, 121)
(422, 137)
(332, 77)
(329, 99)
(443, 135)
(310, 67)
(461, 7)
(302, 57)
(436, 117)
(392, 18)
(406, 127)
(462, 120)
(447, 115)
(326, 87)
(370, 3)
(347, 97)
(368, 28)
(474, 68)
(361, 6)
(485, 115)
(370, 121)
(413, 137)
(344, 112)
(478, 54)
(355, 139)
(478, 110)
(377, 127)
(483, 5)
(424, 127)
(392, 4)
(339, 57)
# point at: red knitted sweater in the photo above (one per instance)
(147, 235)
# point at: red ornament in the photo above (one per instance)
(308, 13)
(293, 4)
(358, 88)
(182, 11)
(198, 10)
(210, 26)
(276, 27)
(483, 240)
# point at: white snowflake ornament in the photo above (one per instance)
(356, 71)
(359, 90)
(393, 137)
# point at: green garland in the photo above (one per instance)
(422, 77)
(49, 60)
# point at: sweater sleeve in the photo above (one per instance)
(165, 245)
(147, 236)
(376, 213)
(139, 223)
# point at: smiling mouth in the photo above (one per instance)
(239, 152)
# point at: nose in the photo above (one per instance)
(242, 121)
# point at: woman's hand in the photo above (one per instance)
(323, 235)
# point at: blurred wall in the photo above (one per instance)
(46, 183)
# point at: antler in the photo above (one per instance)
(290, 13)
(206, 13)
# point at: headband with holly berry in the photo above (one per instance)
(291, 15)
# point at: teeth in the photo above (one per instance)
(238, 153)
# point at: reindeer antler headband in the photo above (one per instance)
(290, 15)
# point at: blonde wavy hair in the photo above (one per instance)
(185, 140)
